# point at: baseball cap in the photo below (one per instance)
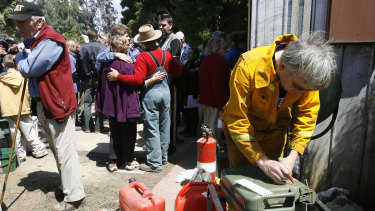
(180, 35)
(25, 10)
(11, 40)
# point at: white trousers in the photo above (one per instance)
(62, 140)
(29, 131)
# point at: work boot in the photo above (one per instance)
(147, 168)
(68, 206)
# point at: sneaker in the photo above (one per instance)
(164, 163)
(68, 206)
(40, 153)
(147, 168)
(132, 165)
(23, 159)
(111, 167)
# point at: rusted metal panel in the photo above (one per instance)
(352, 21)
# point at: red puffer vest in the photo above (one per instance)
(56, 85)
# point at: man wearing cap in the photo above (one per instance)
(13, 46)
(3, 52)
(50, 84)
(156, 98)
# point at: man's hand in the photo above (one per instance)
(112, 76)
(124, 57)
(291, 160)
(274, 169)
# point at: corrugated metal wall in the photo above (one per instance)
(345, 156)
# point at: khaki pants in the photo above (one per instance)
(62, 140)
(211, 117)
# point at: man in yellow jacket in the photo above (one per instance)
(273, 88)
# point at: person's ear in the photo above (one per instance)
(40, 22)
(280, 67)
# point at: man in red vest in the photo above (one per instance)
(47, 65)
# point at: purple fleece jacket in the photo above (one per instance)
(114, 98)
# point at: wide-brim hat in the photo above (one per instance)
(24, 10)
(147, 33)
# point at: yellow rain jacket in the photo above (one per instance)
(253, 125)
(11, 86)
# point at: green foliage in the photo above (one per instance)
(60, 15)
(196, 18)
(7, 27)
(71, 18)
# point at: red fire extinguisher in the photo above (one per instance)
(206, 147)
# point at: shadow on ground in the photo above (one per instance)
(97, 154)
(44, 180)
(101, 158)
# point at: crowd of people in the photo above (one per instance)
(249, 100)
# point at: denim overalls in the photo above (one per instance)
(156, 101)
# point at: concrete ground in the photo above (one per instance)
(33, 185)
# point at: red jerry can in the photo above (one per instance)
(193, 197)
(137, 197)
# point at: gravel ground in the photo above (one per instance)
(33, 185)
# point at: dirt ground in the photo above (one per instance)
(33, 185)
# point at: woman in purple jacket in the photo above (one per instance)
(120, 102)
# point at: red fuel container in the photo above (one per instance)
(193, 197)
(137, 197)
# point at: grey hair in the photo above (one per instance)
(311, 59)
(214, 44)
(35, 18)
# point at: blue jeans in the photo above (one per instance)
(156, 103)
(89, 96)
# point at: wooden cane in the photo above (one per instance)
(14, 140)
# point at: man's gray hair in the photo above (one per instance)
(35, 18)
(213, 46)
(311, 59)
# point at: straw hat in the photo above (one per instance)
(147, 33)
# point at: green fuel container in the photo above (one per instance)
(285, 197)
(5, 147)
(4, 159)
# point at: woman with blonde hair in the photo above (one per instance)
(214, 76)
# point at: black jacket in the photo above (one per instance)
(87, 58)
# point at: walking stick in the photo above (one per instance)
(14, 140)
